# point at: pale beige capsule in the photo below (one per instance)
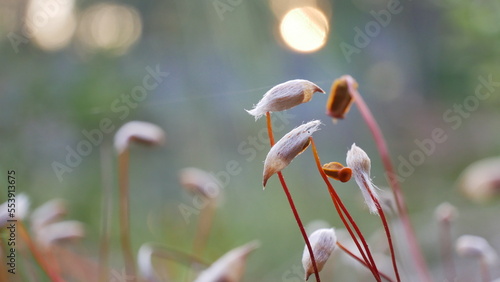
(68, 230)
(285, 96)
(145, 264)
(480, 181)
(287, 148)
(360, 164)
(198, 181)
(230, 267)
(475, 246)
(446, 212)
(323, 242)
(138, 131)
(51, 211)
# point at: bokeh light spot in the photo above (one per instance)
(111, 27)
(304, 29)
(52, 23)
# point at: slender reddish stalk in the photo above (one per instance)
(343, 248)
(79, 267)
(334, 196)
(37, 255)
(369, 260)
(292, 204)
(50, 257)
(123, 164)
(485, 272)
(393, 182)
(299, 223)
(203, 230)
(341, 209)
(386, 228)
(446, 250)
(106, 208)
(270, 128)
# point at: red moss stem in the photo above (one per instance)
(446, 250)
(292, 204)
(341, 210)
(39, 258)
(123, 182)
(203, 230)
(343, 248)
(394, 184)
(106, 209)
(485, 272)
(386, 228)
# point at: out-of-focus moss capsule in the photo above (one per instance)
(340, 99)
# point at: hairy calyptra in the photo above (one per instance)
(287, 148)
(360, 164)
(323, 243)
(285, 96)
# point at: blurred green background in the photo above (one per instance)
(66, 65)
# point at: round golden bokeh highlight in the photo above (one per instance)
(304, 29)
